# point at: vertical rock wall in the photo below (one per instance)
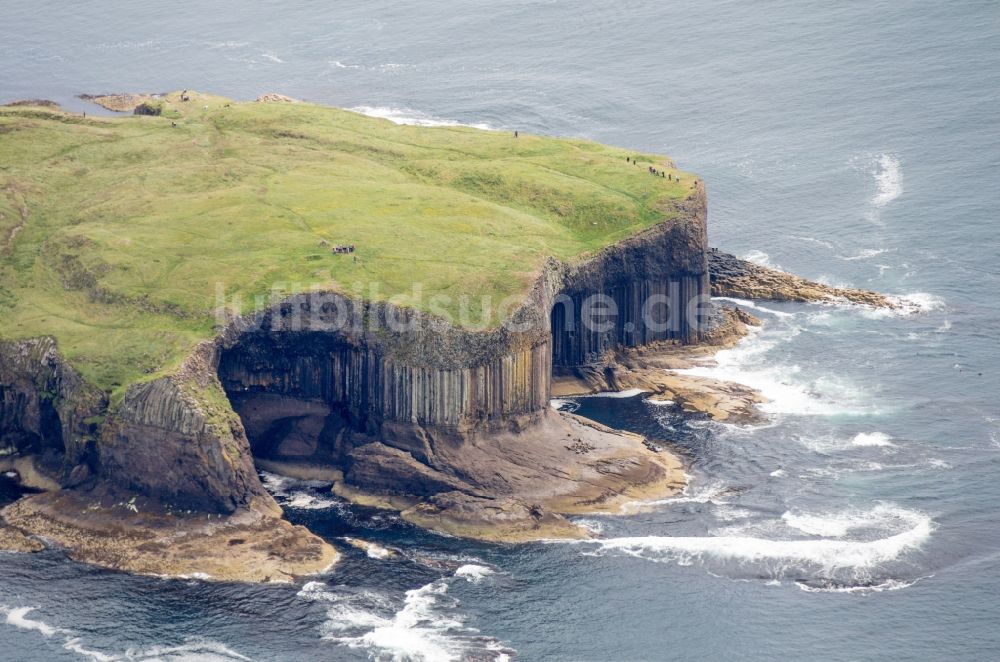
(374, 388)
(47, 409)
(650, 287)
(322, 362)
(585, 328)
(177, 439)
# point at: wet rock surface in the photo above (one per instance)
(138, 535)
(654, 369)
(733, 277)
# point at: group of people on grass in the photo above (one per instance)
(653, 171)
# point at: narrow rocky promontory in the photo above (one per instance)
(742, 279)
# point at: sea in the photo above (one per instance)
(855, 143)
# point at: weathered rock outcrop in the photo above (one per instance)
(47, 411)
(176, 439)
(733, 277)
(655, 283)
(169, 483)
(139, 535)
(654, 369)
(13, 540)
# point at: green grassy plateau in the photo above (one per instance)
(114, 232)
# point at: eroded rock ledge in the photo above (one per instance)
(139, 535)
(653, 369)
(733, 277)
(168, 468)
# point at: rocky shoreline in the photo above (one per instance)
(653, 369)
(398, 408)
(138, 535)
(519, 487)
(742, 279)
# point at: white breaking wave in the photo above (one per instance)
(864, 254)
(713, 493)
(18, 617)
(272, 57)
(888, 179)
(305, 501)
(193, 650)
(372, 549)
(627, 393)
(872, 439)
(413, 117)
(761, 258)
(375, 551)
(830, 587)
(593, 526)
(473, 573)
(75, 645)
(753, 305)
(787, 388)
(424, 627)
(908, 304)
(920, 302)
(559, 403)
(293, 493)
(839, 524)
(783, 386)
(658, 403)
(824, 557)
(830, 443)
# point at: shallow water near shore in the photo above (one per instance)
(857, 145)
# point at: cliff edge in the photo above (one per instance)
(386, 305)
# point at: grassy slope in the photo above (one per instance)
(131, 222)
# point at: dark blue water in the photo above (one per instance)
(857, 143)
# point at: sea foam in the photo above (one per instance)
(825, 555)
(18, 617)
(295, 493)
(424, 627)
(194, 649)
(888, 179)
(413, 117)
(872, 439)
(473, 573)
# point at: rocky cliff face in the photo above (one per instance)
(322, 377)
(48, 411)
(403, 403)
(656, 283)
(176, 439)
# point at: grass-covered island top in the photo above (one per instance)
(116, 232)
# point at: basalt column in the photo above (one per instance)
(305, 390)
(586, 325)
(648, 288)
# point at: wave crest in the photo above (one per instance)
(888, 175)
(884, 535)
